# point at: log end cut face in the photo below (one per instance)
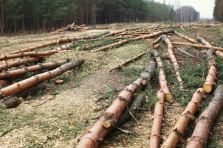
(168, 97)
(207, 88)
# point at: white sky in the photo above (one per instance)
(205, 7)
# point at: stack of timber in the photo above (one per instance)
(108, 119)
(73, 27)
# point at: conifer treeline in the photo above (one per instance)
(218, 10)
(22, 15)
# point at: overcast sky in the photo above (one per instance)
(205, 7)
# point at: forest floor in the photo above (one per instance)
(59, 115)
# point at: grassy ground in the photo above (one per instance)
(59, 115)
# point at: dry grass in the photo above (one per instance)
(68, 109)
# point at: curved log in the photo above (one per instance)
(205, 121)
(19, 62)
(108, 119)
(185, 37)
(162, 77)
(179, 129)
(18, 72)
(17, 87)
(173, 59)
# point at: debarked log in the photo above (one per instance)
(206, 120)
(108, 119)
(22, 85)
(18, 72)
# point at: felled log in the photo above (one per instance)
(22, 85)
(28, 54)
(128, 61)
(212, 72)
(176, 134)
(173, 59)
(61, 40)
(182, 28)
(156, 46)
(4, 82)
(156, 41)
(219, 53)
(203, 41)
(64, 47)
(162, 77)
(185, 37)
(39, 67)
(10, 102)
(19, 62)
(88, 46)
(114, 33)
(205, 121)
(31, 90)
(198, 46)
(157, 118)
(136, 103)
(73, 27)
(126, 41)
(108, 119)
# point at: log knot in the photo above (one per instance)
(180, 134)
(122, 99)
(188, 115)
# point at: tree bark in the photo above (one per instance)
(39, 67)
(205, 121)
(174, 60)
(156, 41)
(114, 33)
(17, 87)
(3, 21)
(185, 37)
(179, 129)
(23, 17)
(162, 76)
(108, 119)
(10, 102)
(128, 61)
(4, 82)
(219, 53)
(88, 46)
(19, 62)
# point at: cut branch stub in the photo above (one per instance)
(96, 134)
(206, 119)
(17, 87)
(179, 129)
(162, 77)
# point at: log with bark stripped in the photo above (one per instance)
(39, 67)
(19, 62)
(197, 46)
(128, 61)
(22, 85)
(205, 121)
(108, 119)
(162, 76)
(185, 37)
(61, 40)
(173, 59)
(176, 134)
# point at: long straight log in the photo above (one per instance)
(19, 62)
(17, 87)
(30, 54)
(156, 41)
(205, 121)
(4, 82)
(203, 41)
(185, 37)
(162, 76)
(179, 129)
(219, 53)
(108, 119)
(198, 46)
(18, 72)
(88, 46)
(114, 33)
(128, 61)
(173, 59)
(61, 40)
(64, 47)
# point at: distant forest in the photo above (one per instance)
(218, 10)
(49, 15)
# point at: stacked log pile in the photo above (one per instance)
(73, 27)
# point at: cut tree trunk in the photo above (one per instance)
(197, 46)
(156, 46)
(39, 67)
(203, 41)
(88, 46)
(156, 41)
(4, 82)
(19, 62)
(162, 77)
(61, 40)
(65, 47)
(219, 53)
(31, 90)
(173, 59)
(136, 103)
(128, 61)
(212, 72)
(185, 37)
(205, 121)
(10, 102)
(17, 87)
(108, 119)
(114, 33)
(157, 118)
(179, 129)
